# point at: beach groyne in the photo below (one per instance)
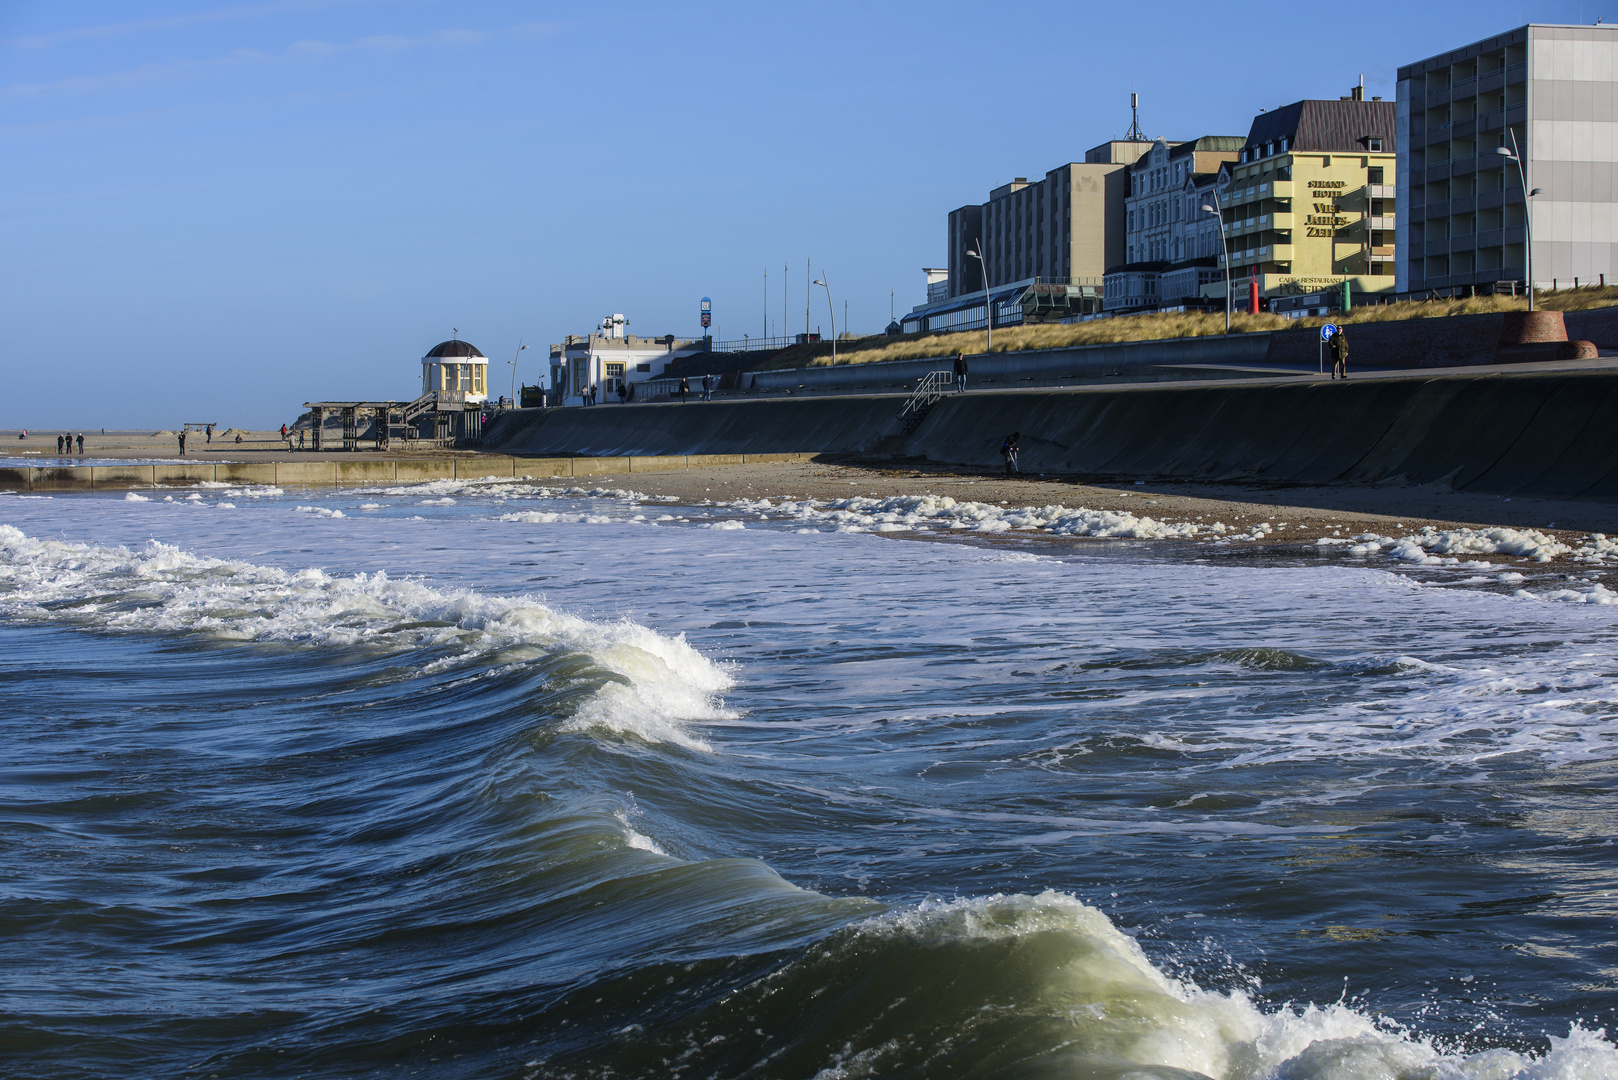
(360, 472)
(1549, 434)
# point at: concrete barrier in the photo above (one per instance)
(543, 467)
(305, 473)
(245, 474)
(64, 478)
(473, 468)
(364, 472)
(1539, 433)
(418, 469)
(600, 466)
(182, 473)
(16, 479)
(123, 476)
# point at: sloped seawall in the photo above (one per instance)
(1552, 435)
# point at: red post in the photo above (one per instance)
(1252, 297)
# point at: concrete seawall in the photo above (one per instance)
(1549, 434)
(359, 472)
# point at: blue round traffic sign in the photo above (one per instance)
(1327, 331)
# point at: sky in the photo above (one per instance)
(214, 211)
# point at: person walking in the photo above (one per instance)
(1008, 450)
(707, 388)
(960, 373)
(210, 434)
(685, 388)
(1339, 354)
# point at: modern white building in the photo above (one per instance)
(609, 359)
(456, 370)
(1549, 94)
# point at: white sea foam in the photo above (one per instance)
(1123, 1011)
(660, 685)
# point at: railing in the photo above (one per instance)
(753, 344)
(933, 386)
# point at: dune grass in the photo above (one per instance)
(1157, 326)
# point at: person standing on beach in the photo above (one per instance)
(81, 442)
(1339, 354)
(210, 434)
(960, 373)
(58, 444)
(182, 442)
(1008, 450)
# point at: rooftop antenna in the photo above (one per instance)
(1135, 134)
(455, 333)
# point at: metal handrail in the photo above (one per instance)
(933, 386)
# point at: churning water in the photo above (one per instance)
(502, 782)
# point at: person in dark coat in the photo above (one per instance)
(1339, 354)
(960, 373)
(685, 388)
(182, 442)
(1008, 450)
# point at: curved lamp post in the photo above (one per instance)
(1223, 247)
(513, 363)
(833, 311)
(988, 300)
(1527, 214)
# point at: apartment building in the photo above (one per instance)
(1060, 232)
(1171, 245)
(1312, 198)
(1550, 94)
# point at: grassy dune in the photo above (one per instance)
(1156, 326)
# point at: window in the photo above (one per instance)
(478, 371)
(1373, 175)
(1376, 146)
(643, 367)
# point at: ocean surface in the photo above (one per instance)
(499, 780)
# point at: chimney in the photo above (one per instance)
(1358, 92)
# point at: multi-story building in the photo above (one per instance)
(1311, 201)
(1061, 232)
(1548, 93)
(1171, 246)
(609, 359)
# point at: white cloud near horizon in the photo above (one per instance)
(306, 50)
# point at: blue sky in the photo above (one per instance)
(217, 211)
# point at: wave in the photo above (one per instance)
(654, 686)
(1037, 986)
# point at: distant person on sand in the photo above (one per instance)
(182, 442)
(210, 433)
(238, 438)
(81, 442)
(1008, 450)
(960, 373)
(284, 433)
(685, 388)
(1339, 354)
(59, 444)
(300, 439)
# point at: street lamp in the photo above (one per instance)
(1527, 213)
(988, 301)
(833, 311)
(1224, 247)
(513, 363)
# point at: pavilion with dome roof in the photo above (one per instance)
(457, 370)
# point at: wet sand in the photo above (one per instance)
(1295, 514)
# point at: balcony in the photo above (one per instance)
(1282, 221)
(1437, 247)
(1282, 189)
(1490, 238)
(1281, 252)
(1382, 255)
(1384, 222)
(1383, 191)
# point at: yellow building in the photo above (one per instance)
(1311, 199)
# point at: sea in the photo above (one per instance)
(499, 779)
